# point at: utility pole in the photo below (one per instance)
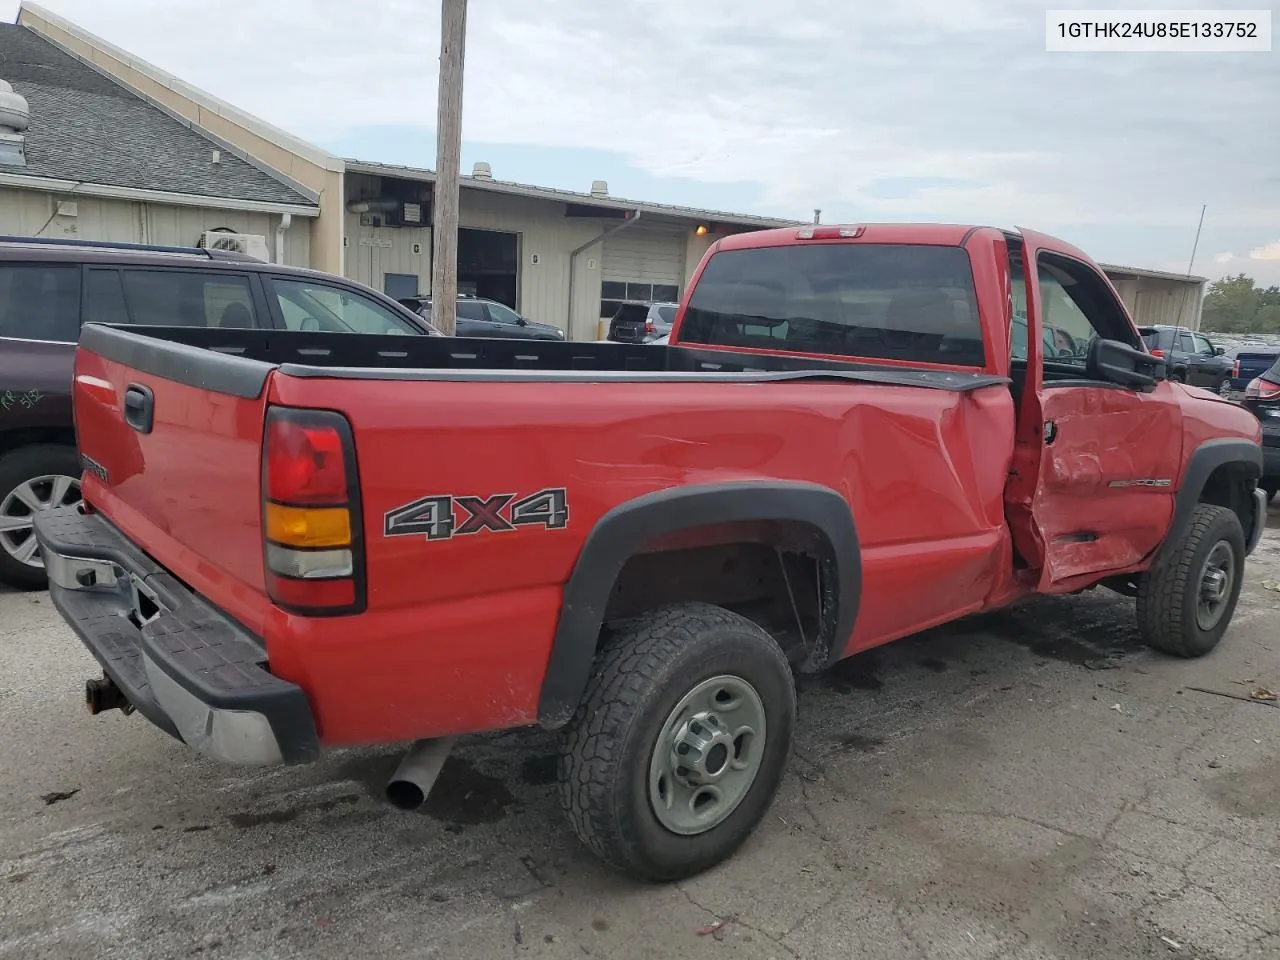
(444, 234)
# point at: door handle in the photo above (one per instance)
(139, 407)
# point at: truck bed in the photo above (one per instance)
(377, 356)
(490, 422)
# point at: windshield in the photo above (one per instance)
(909, 302)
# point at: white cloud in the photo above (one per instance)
(1262, 263)
(1269, 251)
(816, 102)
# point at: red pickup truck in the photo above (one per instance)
(289, 542)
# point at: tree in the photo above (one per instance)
(1237, 305)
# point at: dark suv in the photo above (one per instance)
(477, 317)
(48, 288)
(1262, 396)
(1189, 357)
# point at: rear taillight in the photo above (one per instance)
(1259, 389)
(1235, 370)
(1157, 352)
(649, 327)
(314, 549)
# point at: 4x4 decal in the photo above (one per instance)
(448, 516)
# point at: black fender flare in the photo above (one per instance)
(623, 530)
(1206, 458)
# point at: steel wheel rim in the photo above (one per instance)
(1217, 577)
(18, 511)
(707, 755)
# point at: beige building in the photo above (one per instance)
(1158, 297)
(556, 256)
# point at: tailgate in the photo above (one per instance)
(170, 437)
(1255, 364)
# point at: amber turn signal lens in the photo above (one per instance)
(308, 527)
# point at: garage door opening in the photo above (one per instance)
(488, 265)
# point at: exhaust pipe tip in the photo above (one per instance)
(405, 795)
(409, 785)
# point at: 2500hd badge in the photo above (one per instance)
(437, 517)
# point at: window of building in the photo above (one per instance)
(397, 286)
(613, 293)
(40, 302)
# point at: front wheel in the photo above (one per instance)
(1186, 603)
(680, 743)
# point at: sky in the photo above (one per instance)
(945, 110)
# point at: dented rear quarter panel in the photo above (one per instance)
(458, 631)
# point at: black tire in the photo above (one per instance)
(1169, 595)
(1178, 376)
(1270, 486)
(642, 672)
(16, 468)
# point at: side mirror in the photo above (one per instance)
(1114, 362)
(522, 321)
(1219, 351)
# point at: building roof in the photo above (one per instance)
(1152, 274)
(87, 128)
(512, 188)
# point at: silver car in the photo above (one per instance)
(661, 317)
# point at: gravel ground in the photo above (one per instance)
(1027, 785)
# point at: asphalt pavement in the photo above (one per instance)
(1027, 785)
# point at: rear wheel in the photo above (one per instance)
(1185, 604)
(32, 479)
(680, 743)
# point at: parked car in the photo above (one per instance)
(638, 322)
(49, 288)
(637, 547)
(1247, 363)
(1262, 397)
(1190, 357)
(476, 317)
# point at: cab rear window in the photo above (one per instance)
(911, 303)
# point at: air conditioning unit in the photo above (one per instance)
(253, 244)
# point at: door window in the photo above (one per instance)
(1203, 346)
(470, 310)
(176, 298)
(501, 314)
(1185, 343)
(307, 305)
(40, 302)
(104, 298)
(1077, 308)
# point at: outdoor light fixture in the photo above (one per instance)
(701, 230)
